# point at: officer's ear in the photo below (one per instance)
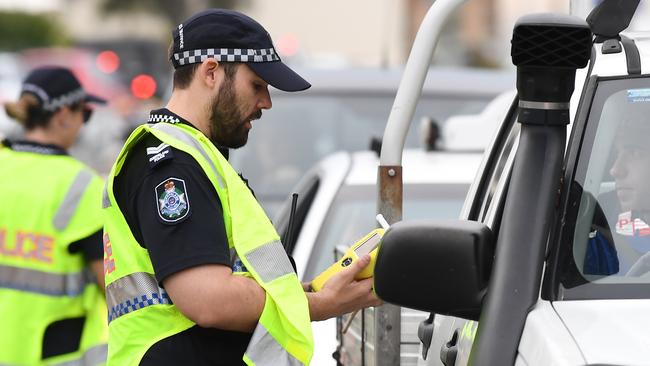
(211, 73)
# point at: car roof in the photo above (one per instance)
(615, 64)
(609, 65)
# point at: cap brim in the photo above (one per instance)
(94, 99)
(279, 76)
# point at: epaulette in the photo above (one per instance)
(158, 154)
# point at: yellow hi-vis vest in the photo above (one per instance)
(141, 313)
(48, 202)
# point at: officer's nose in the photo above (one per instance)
(618, 169)
(264, 101)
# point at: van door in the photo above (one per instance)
(453, 337)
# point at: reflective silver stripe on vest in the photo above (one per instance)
(93, 356)
(106, 202)
(71, 199)
(133, 292)
(270, 261)
(45, 283)
(264, 350)
(189, 140)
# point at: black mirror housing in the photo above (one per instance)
(436, 266)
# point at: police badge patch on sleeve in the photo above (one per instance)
(172, 200)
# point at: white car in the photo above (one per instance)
(336, 206)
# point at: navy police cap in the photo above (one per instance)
(230, 36)
(56, 87)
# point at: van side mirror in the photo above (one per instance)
(436, 266)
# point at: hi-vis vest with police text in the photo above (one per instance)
(48, 202)
(141, 313)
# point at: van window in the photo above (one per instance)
(609, 203)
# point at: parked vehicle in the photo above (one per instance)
(342, 110)
(335, 208)
(548, 265)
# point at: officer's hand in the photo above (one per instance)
(342, 294)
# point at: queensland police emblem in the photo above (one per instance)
(172, 200)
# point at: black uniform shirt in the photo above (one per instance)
(174, 212)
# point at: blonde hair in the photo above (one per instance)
(28, 111)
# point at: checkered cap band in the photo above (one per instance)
(66, 99)
(35, 89)
(226, 55)
(69, 98)
(155, 118)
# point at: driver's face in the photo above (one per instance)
(631, 171)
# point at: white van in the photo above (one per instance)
(550, 264)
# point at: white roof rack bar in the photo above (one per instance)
(410, 86)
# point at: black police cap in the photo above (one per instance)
(230, 36)
(56, 87)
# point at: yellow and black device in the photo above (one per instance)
(366, 245)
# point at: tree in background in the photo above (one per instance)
(22, 30)
(173, 10)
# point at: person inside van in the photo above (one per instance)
(619, 242)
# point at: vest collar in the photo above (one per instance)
(165, 115)
(34, 147)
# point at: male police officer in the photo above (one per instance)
(193, 265)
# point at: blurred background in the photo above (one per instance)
(353, 52)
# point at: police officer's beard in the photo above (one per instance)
(226, 121)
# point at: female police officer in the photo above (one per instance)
(51, 310)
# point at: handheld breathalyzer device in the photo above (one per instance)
(366, 245)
